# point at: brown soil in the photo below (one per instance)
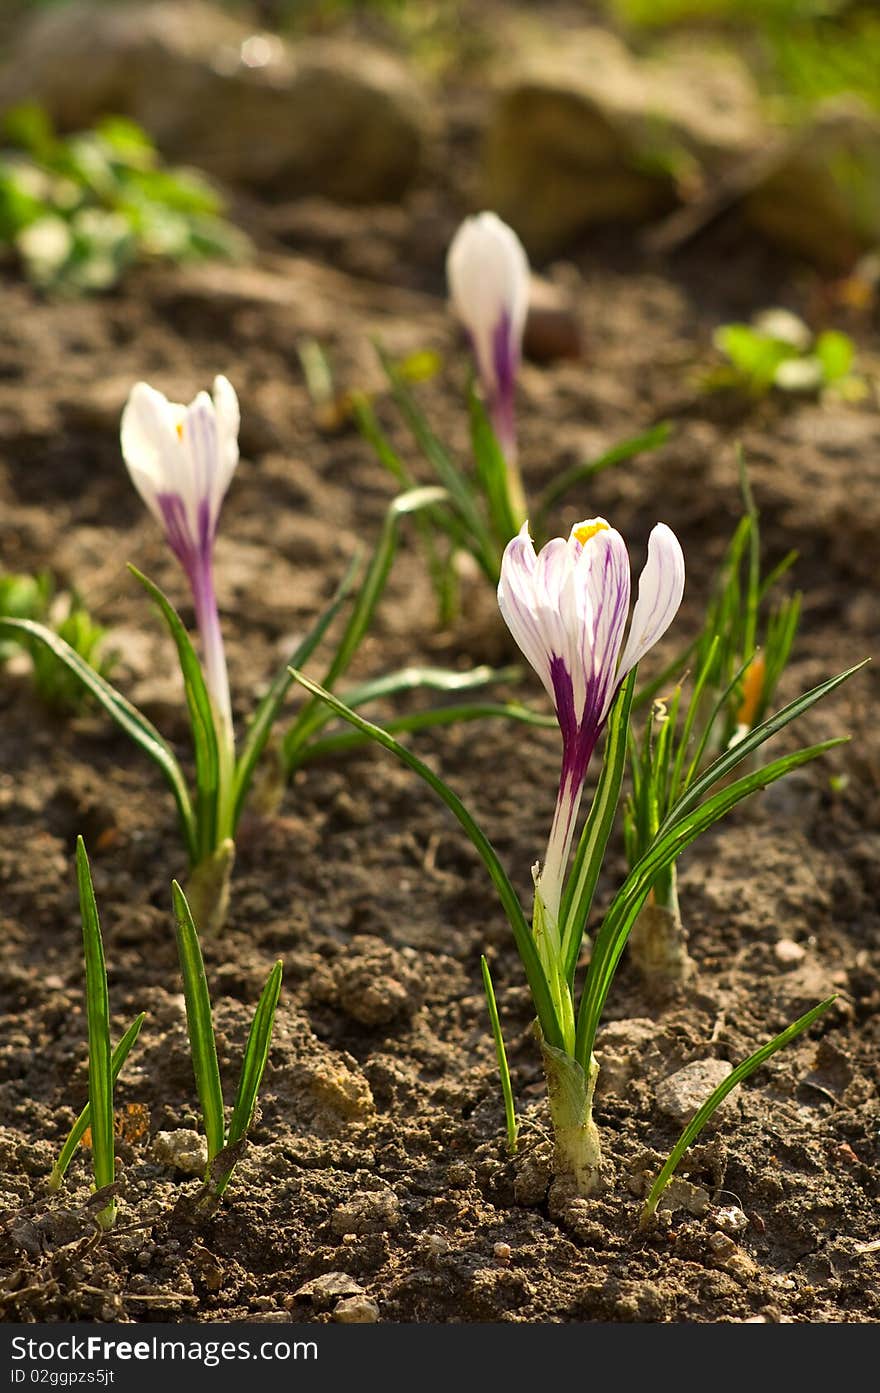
(381, 1080)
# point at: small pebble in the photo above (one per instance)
(682, 1093)
(324, 1291)
(789, 953)
(730, 1220)
(502, 1252)
(721, 1247)
(356, 1310)
(183, 1149)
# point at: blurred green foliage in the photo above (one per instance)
(37, 598)
(663, 13)
(79, 210)
(801, 51)
(778, 350)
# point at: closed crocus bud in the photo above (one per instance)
(488, 275)
(181, 460)
(567, 607)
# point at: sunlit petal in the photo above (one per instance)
(661, 586)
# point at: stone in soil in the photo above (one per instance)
(681, 1094)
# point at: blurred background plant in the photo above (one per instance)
(38, 598)
(77, 211)
(778, 350)
(802, 51)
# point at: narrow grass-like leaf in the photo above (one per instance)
(81, 1126)
(537, 980)
(200, 1024)
(479, 539)
(427, 720)
(580, 886)
(253, 1064)
(684, 739)
(736, 1076)
(433, 679)
(779, 570)
(428, 522)
(313, 716)
(492, 472)
(670, 842)
(201, 718)
(135, 725)
(264, 717)
(730, 758)
(627, 449)
(672, 672)
(100, 1054)
(501, 1054)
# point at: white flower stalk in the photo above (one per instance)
(567, 608)
(181, 460)
(487, 271)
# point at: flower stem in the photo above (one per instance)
(217, 682)
(501, 410)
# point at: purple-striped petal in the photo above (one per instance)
(567, 608)
(661, 586)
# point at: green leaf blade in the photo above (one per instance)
(81, 1126)
(126, 716)
(200, 1024)
(704, 1113)
(253, 1064)
(667, 846)
(201, 718)
(263, 719)
(98, 1019)
(501, 1056)
(312, 716)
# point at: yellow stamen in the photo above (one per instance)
(753, 687)
(588, 529)
(179, 430)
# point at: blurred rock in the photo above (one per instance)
(789, 953)
(821, 200)
(321, 116)
(552, 329)
(583, 133)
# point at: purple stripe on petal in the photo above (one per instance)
(207, 526)
(177, 531)
(501, 394)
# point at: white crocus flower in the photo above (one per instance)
(567, 608)
(487, 271)
(181, 460)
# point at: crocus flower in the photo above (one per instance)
(567, 608)
(488, 275)
(181, 460)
